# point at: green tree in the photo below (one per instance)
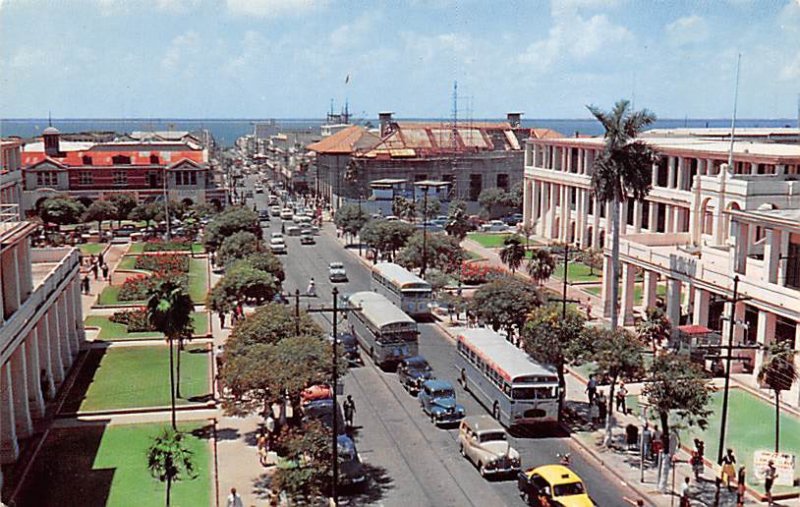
(351, 218)
(624, 168)
(61, 211)
(242, 282)
(430, 211)
(100, 211)
(443, 252)
(512, 253)
(306, 473)
(618, 355)
(147, 213)
(593, 258)
(386, 236)
(457, 220)
(169, 311)
(551, 339)
(778, 372)
(234, 219)
(404, 208)
(541, 265)
(654, 328)
(505, 304)
(493, 199)
(124, 204)
(268, 325)
(169, 459)
(516, 196)
(237, 246)
(676, 387)
(269, 262)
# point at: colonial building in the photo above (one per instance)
(702, 223)
(10, 171)
(472, 156)
(41, 328)
(146, 169)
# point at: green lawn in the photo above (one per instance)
(107, 465)
(578, 272)
(129, 377)
(137, 248)
(491, 240)
(638, 292)
(127, 262)
(119, 332)
(110, 297)
(198, 284)
(91, 248)
(471, 256)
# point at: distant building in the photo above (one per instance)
(88, 171)
(473, 156)
(11, 172)
(41, 328)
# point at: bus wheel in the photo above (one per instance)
(496, 411)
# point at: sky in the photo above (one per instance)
(290, 58)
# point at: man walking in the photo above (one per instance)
(591, 389)
(349, 411)
(104, 268)
(95, 270)
(234, 500)
(769, 480)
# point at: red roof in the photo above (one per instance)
(102, 155)
(694, 329)
(347, 140)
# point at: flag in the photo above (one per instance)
(347, 79)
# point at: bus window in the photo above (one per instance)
(523, 393)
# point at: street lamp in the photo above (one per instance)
(425, 185)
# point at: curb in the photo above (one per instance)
(134, 411)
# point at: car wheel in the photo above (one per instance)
(461, 450)
(496, 411)
(525, 497)
(433, 418)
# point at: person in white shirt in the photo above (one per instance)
(234, 500)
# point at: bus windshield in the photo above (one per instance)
(534, 393)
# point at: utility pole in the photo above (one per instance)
(424, 232)
(562, 388)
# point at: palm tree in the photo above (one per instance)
(169, 460)
(513, 253)
(779, 372)
(623, 168)
(169, 311)
(654, 328)
(541, 265)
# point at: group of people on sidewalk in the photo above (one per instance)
(96, 266)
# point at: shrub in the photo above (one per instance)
(135, 320)
(139, 287)
(168, 246)
(475, 274)
(163, 263)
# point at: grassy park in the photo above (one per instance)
(578, 272)
(138, 248)
(135, 377)
(88, 249)
(198, 283)
(113, 331)
(107, 465)
(491, 240)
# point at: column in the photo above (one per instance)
(674, 303)
(764, 336)
(583, 218)
(669, 225)
(605, 295)
(623, 217)
(552, 232)
(19, 376)
(652, 216)
(628, 285)
(702, 300)
(46, 359)
(10, 268)
(671, 172)
(563, 223)
(542, 224)
(33, 365)
(637, 217)
(9, 448)
(772, 251)
(77, 301)
(655, 174)
(61, 333)
(742, 231)
(794, 393)
(527, 204)
(681, 176)
(650, 290)
(677, 219)
(596, 224)
(56, 356)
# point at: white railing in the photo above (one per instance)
(9, 213)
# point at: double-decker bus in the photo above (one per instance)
(517, 390)
(409, 292)
(385, 332)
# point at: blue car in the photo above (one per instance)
(438, 400)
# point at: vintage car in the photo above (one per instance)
(315, 392)
(349, 347)
(322, 410)
(306, 238)
(412, 372)
(438, 400)
(484, 442)
(553, 485)
(277, 246)
(336, 272)
(351, 470)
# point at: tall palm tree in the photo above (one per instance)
(513, 253)
(623, 168)
(169, 311)
(541, 265)
(169, 460)
(779, 372)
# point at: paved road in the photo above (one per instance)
(411, 462)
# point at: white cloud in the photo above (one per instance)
(274, 8)
(791, 71)
(687, 30)
(178, 58)
(177, 6)
(355, 33)
(27, 57)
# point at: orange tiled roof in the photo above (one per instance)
(348, 140)
(139, 155)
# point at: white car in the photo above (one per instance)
(277, 246)
(336, 272)
(484, 442)
(494, 226)
(276, 235)
(287, 214)
(275, 211)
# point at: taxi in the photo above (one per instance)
(553, 485)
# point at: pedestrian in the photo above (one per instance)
(104, 268)
(221, 319)
(647, 440)
(234, 500)
(95, 270)
(591, 389)
(349, 411)
(283, 228)
(621, 398)
(588, 309)
(685, 493)
(728, 468)
(269, 424)
(697, 458)
(740, 486)
(100, 258)
(86, 283)
(91, 260)
(594, 412)
(769, 480)
(261, 446)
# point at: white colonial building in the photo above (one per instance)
(702, 224)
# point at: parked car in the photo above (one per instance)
(512, 219)
(413, 372)
(263, 215)
(287, 214)
(336, 272)
(552, 485)
(306, 238)
(351, 469)
(275, 211)
(259, 189)
(349, 347)
(322, 410)
(315, 392)
(494, 226)
(475, 221)
(430, 226)
(438, 400)
(277, 246)
(484, 442)
(276, 235)
(125, 231)
(292, 230)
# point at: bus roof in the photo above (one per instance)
(379, 310)
(510, 361)
(399, 275)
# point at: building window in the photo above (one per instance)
(475, 186)
(193, 178)
(85, 178)
(502, 181)
(46, 179)
(154, 159)
(120, 178)
(87, 160)
(121, 159)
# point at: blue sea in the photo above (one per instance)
(227, 131)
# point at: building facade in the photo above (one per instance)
(145, 169)
(41, 328)
(11, 171)
(702, 223)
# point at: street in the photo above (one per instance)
(409, 460)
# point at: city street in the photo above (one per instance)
(410, 461)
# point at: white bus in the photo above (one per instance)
(385, 332)
(403, 288)
(517, 390)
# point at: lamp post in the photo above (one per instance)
(166, 202)
(424, 232)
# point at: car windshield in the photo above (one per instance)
(337, 265)
(494, 436)
(534, 393)
(443, 393)
(419, 366)
(568, 489)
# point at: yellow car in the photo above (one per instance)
(552, 486)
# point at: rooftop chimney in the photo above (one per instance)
(385, 119)
(515, 119)
(50, 137)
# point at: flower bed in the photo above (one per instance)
(473, 273)
(139, 287)
(163, 263)
(168, 246)
(136, 320)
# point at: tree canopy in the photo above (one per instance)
(61, 211)
(541, 265)
(457, 220)
(169, 459)
(512, 253)
(269, 324)
(306, 474)
(351, 218)
(242, 282)
(386, 236)
(124, 204)
(230, 221)
(443, 252)
(505, 303)
(269, 262)
(494, 199)
(237, 246)
(147, 212)
(100, 211)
